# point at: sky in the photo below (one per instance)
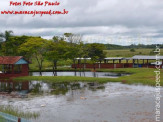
(121, 22)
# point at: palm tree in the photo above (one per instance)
(5, 36)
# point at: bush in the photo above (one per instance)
(132, 50)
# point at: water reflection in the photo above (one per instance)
(39, 87)
(27, 88)
(81, 74)
(14, 89)
(95, 86)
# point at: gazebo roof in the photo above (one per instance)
(12, 60)
(83, 58)
(113, 58)
(147, 57)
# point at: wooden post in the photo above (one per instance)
(3, 68)
(113, 61)
(78, 61)
(12, 68)
(105, 61)
(119, 60)
(85, 61)
(143, 61)
(127, 61)
(133, 62)
(115, 66)
(19, 119)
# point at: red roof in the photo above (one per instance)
(9, 59)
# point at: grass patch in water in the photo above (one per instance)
(145, 76)
(18, 113)
(62, 79)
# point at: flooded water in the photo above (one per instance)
(82, 74)
(82, 102)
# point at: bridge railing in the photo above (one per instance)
(10, 118)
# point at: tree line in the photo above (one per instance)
(68, 46)
(132, 46)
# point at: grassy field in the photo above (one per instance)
(138, 76)
(128, 53)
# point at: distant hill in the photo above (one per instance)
(112, 46)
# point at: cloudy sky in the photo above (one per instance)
(106, 21)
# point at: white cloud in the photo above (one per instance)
(95, 19)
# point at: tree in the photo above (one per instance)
(56, 51)
(68, 34)
(73, 38)
(96, 53)
(132, 50)
(57, 39)
(11, 47)
(34, 48)
(75, 46)
(5, 37)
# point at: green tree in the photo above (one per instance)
(75, 46)
(34, 48)
(68, 34)
(57, 39)
(56, 51)
(132, 50)
(5, 37)
(73, 53)
(11, 47)
(95, 52)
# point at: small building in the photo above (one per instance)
(146, 61)
(121, 62)
(13, 66)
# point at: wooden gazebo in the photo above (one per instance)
(13, 66)
(122, 62)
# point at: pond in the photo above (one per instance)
(85, 102)
(83, 74)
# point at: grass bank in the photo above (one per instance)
(143, 76)
(67, 69)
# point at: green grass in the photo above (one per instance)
(62, 79)
(143, 76)
(47, 65)
(2, 119)
(128, 53)
(17, 112)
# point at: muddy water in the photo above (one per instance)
(86, 102)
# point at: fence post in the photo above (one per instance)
(19, 119)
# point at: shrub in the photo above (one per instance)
(132, 50)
